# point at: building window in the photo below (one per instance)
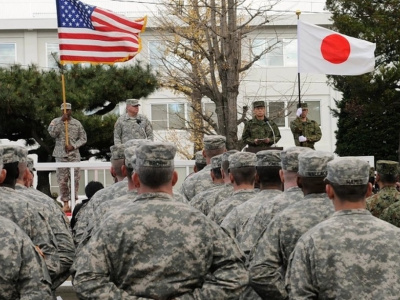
(281, 52)
(168, 116)
(8, 54)
(52, 54)
(283, 112)
(209, 111)
(156, 51)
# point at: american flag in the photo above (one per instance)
(92, 34)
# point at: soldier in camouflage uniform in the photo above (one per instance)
(351, 255)
(306, 132)
(206, 200)
(386, 177)
(132, 125)
(242, 172)
(67, 153)
(24, 273)
(261, 217)
(259, 131)
(27, 214)
(54, 216)
(268, 166)
(159, 248)
(201, 181)
(269, 263)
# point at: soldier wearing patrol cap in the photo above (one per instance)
(350, 249)
(132, 125)
(67, 151)
(206, 200)
(268, 166)
(201, 181)
(260, 131)
(159, 245)
(269, 263)
(242, 173)
(386, 177)
(306, 132)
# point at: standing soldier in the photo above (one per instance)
(386, 177)
(132, 125)
(306, 132)
(351, 255)
(260, 132)
(67, 152)
(159, 248)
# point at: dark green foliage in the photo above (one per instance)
(369, 113)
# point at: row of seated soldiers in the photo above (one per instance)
(219, 237)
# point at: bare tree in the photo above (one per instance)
(202, 58)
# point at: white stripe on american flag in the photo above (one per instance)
(109, 21)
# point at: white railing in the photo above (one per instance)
(102, 169)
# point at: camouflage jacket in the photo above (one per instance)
(197, 183)
(23, 272)
(33, 220)
(238, 216)
(351, 255)
(60, 228)
(76, 134)
(272, 251)
(159, 248)
(259, 220)
(127, 128)
(310, 129)
(378, 202)
(260, 129)
(222, 209)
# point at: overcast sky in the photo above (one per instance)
(47, 8)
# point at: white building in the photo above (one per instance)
(273, 79)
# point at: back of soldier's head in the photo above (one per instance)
(349, 177)
(313, 170)
(268, 167)
(388, 171)
(242, 166)
(199, 160)
(214, 145)
(155, 163)
(216, 163)
(13, 155)
(225, 160)
(92, 187)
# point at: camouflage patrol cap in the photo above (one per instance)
(290, 158)
(303, 105)
(242, 159)
(216, 162)
(387, 167)
(130, 157)
(155, 154)
(117, 151)
(67, 106)
(225, 155)
(30, 164)
(314, 163)
(268, 158)
(132, 102)
(258, 104)
(199, 158)
(14, 153)
(212, 142)
(348, 171)
(134, 142)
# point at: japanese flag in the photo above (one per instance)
(323, 51)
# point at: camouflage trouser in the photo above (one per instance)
(64, 178)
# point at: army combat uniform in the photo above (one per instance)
(309, 129)
(351, 255)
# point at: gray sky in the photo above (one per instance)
(14, 9)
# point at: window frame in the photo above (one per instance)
(6, 63)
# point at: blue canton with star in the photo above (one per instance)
(74, 14)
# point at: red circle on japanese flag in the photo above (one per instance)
(335, 48)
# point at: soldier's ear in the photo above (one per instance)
(174, 178)
(3, 175)
(369, 190)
